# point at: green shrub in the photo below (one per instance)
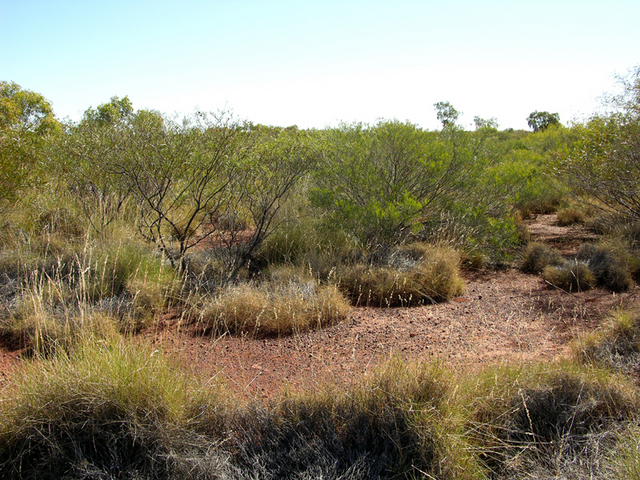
(410, 275)
(538, 256)
(572, 276)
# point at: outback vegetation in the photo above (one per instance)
(115, 223)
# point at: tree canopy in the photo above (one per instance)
(539, 121)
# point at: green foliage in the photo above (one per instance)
(447, 114)
(539, 121)
(603, 166)
(376, 182)
(271, 170)
(92, 153)
(209, 179)
(26, 121)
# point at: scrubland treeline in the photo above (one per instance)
(256, 230)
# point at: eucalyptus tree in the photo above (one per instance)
(26, 123)
(539, 121)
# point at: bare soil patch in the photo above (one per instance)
(503, 317)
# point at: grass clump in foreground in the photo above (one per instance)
(616, 345)
(384, 427)
(101, 409)
(558, 422)
(117, 410)
(286, 303)
(111, 408)
(406, 276)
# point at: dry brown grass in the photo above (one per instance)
(537, 256)
(274, 307)
(411, 275)
(572, 276)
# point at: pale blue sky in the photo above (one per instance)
(314, 64)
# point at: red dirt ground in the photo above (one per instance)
(504, 316)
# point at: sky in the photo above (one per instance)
(315, 64)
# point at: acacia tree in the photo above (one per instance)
(91, 151)
(182, 176)
(378, 182)
(605, 163)
(272, 166)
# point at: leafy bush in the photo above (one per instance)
(537, 256)
(572, 276)
(603, 164)
(407, 276)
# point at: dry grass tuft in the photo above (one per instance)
(382, 427)
(571, 276)
(537, 256)
(106, 408)
(557, 422)
(274, 307)
(610, 265)
(411, 275)
(616, 345)
(570, 216)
